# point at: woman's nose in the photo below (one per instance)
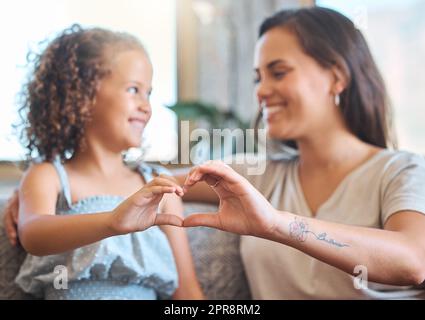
(263, 90)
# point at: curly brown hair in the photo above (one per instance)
(57, 99)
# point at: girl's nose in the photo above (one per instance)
(145, 107)
(144, 103)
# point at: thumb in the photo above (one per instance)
(144, 197)
(209, 219)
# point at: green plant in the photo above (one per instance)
(209, 117)
(196, 111)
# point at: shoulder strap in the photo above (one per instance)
(150, 171)
(66, 190)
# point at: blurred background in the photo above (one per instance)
(202, 53)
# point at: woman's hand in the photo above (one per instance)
(10, 218)
(242, 208)
(140, 211)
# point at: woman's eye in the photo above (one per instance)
(279, 75)
(133, 90)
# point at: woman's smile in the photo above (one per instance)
(272, 112)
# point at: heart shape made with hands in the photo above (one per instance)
(242, 208)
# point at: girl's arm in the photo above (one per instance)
(200, 193)
(41, 232)
(189, 287)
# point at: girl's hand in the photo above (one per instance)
(10, 218)
(242, 208)
(140, 211)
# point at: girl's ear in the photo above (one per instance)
(340, 80)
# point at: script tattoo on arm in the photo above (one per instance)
(298, 230)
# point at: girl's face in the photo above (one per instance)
(122, 108)
(296, 93)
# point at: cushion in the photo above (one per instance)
(11, 259)
(216, 256)
(217, 259)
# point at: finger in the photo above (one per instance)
(15, 214)
(209, 219)
(196, 176)
(215, 168)
(211, 180)
(166, 181)
(157, 190)
(179, 189)
(168, 219)
(147, 195)
(188, 181)
(12, 207)
(11, 235)
(10, 229)
(165, 176)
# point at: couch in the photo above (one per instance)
(216, 256)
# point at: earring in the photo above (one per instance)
(337, 100)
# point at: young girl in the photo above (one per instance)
(82, 208)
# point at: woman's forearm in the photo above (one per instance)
(389, 256)
(51, 234)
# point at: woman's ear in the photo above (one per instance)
(340, 80)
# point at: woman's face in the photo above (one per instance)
(122, 107)
(296, 93)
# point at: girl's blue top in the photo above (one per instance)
(143, 261)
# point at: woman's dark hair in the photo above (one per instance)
(57, 99)
(333, 40)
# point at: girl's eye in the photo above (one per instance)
(256, 80)
(133, 90)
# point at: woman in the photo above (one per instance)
(345, 203)
(349, 205)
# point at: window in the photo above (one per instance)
(24, 23)
(395, 31)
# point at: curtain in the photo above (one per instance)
(226, 33)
